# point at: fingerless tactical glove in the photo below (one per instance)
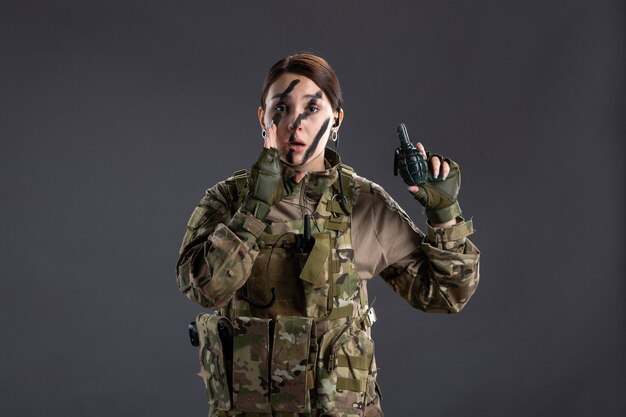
(438, 196)
(265, 185)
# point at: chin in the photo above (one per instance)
(292, 162)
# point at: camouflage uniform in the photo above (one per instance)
(310, 353)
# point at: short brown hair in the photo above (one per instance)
(311, 66)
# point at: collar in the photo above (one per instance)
(315, 182)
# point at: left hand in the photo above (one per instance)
(438, 195)
(435, 164)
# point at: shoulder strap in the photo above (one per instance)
(345, 185)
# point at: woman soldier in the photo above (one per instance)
(285, 252)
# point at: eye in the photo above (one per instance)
(313, 109)
(280, 108)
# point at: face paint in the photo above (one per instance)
(312, 146)
(315, 142)
(277, 118)
(290, 87)
(296, 124)
(282, 96)
(296, 151)
(305, 114)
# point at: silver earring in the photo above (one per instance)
(333, 136)
(263, 133)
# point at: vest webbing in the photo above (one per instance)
(332, 249)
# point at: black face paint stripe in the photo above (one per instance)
(312, 102)
(282, 96)
(315, 142)
(277, 118)
(304, 115)
(288, 89)
(296, 124)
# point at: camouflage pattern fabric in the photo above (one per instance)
(327, 274)
(251, 364)
(455, 280)
(214, 366)
(290, 354)
(354, 360)
(226, 250)
(346, 373)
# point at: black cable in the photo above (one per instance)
(270, 303)
(342, 197)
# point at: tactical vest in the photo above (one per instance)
(318, 357)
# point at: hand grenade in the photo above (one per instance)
(409, 161)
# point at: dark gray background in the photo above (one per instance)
(116, 115)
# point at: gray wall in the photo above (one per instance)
(116, 115)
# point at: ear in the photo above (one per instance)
(261, 114)
(338, 116)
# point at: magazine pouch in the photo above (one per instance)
(251, 364)
(291, 377)
(215, 337)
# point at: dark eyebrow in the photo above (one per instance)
(317, 95)
(287, 90)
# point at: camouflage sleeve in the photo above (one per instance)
(434, 272)
(218, 250)
(442, 274)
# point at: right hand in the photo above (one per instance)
(270, 136)
(266, 184)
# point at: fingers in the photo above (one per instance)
(445, 170)
(421, 149)
(413, 189)
(437, 166)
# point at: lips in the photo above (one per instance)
(296, 145)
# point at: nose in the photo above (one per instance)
(296, 122)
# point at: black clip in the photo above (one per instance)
(194, 337)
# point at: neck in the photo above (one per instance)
(299, 175)
(313, 165)
(295, 174)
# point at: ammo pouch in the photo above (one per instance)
(215, 334)
(345, 372)
(263, 365)
(270, 364)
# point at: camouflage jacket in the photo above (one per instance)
(435, 272)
